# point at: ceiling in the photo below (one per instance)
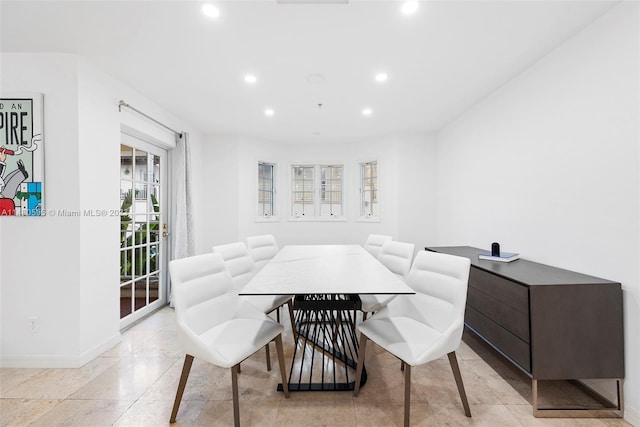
(440, 61)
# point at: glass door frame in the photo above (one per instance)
(162, 153)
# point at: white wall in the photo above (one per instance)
(99, 259)
(548, 166)
(219, 200)
(407, 210)
(64, 270)
(39, 261)
(417, 189)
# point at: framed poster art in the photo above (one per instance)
(21, 155)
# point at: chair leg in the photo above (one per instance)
(361, 349)
(364, 315)
(283, 371)
(453, 361)
(278, 314)
(266, 349)
(407, 394)
(402, 365)
(186, 367)
(234, 391)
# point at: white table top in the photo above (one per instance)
(325, 269)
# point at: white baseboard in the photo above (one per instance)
(96, 351)
(29, 361)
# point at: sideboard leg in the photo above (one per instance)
(620, 396)
(604, 409)
(534, 393)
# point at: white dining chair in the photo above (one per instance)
(426, 326)
(240, 265)
(262, 249)
(238, 261)
(215, 324)
(374, 243)
(397, 257)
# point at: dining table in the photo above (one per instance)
(325, 282)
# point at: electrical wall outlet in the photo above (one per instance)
(33, 324)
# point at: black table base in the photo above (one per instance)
(326, 350)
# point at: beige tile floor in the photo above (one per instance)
(134, 384)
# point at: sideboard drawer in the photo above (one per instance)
(505, 291)
(516, 322)
(507, 343)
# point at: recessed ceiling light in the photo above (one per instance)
(210, 10)
(367, 112)
(409, 7)
(269, 112)
(250, 78)
(381, 77)
(315, 78)
(312, 1)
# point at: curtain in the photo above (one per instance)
(183, 243)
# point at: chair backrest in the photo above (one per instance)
(204, 296)
(440, 281)
(374, 243)
(397, 257)
(238, 261)
(262, 248)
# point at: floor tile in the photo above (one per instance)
(60, 383)
(316, 413)
(481, 415)
(22, 412)
(151, 413)
(83, 413)
(369, 413)
(252, 413)
(12, 377)
(127, 379)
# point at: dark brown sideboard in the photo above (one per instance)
(554, 324)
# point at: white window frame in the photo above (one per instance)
(260, 216)
(295, 191)
(315, 214)
(365, 216)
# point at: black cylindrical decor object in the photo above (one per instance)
(495, 249)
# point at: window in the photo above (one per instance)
(331, 191)
(369, 190)
(316, 191)
(302, 184)
(266, 189)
